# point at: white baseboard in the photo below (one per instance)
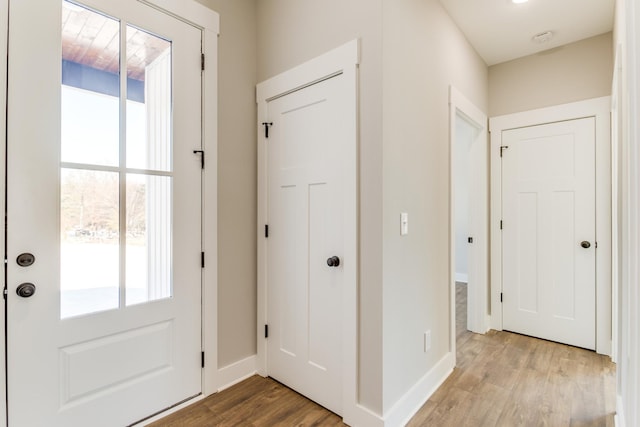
(397, 416)
(412, 401)
(236, 372)
(462, 277)
(619, 420)
(359, 416)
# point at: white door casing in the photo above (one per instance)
(4, 20)
(337, 67)
(599, 109)
(548, 214)
(72, 375)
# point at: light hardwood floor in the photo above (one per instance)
(505, 379)
(501, 379)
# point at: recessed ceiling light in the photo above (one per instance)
(542, 37)
(519, 1)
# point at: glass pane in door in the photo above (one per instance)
(149, 152)
(148, 101)
(114, 170)
(90, 146)
(90, 87)
(89, 249)
(149, 221)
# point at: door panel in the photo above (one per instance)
(305, 198)
(104, 191)
(548, 211)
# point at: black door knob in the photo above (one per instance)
(585, 244)
(334, 261)
(25, 290)
(26, 259)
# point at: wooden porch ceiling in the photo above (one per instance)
(93, 40)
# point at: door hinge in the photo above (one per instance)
(266, 331)
(501, 295)
(202, 61)
(267, 125)
(470, 239)
(502, 148)
(201, 152)
(266, 230)
(5, 293)
(202, 259)
(202, 359)
(500, 224)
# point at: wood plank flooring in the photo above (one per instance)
(505, 379)
(501, 379)
(254, 402)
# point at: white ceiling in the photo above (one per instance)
(500, 30)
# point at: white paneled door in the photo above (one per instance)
(103, 212)
(549, 242)
(310, 131)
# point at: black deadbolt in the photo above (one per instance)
(585, 244)
(334, 261)
(26, 259)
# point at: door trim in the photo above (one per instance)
(617, 97)
(208, 22)
(4, 32)
(600, 109)
(477, 306)
(342, 60)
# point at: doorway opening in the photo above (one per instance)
(466, 133)
(469, 213)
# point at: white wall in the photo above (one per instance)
(423, 53)
(404, 158)
(574, 72)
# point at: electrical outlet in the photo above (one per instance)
(427, 341)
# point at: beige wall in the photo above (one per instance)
(403, 119)
(424, 53)
(236, 179)
(411, 53)
(294, 31)
(574, 72)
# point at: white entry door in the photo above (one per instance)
(104, 223)
(309, 134)
(548, 234)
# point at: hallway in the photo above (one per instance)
(506, 379)
(501, 379)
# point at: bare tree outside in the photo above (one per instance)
(90, 208)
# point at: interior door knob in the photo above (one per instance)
(25, 290)
(585, 244)
(334, 261)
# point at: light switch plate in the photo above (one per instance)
(404, 224)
